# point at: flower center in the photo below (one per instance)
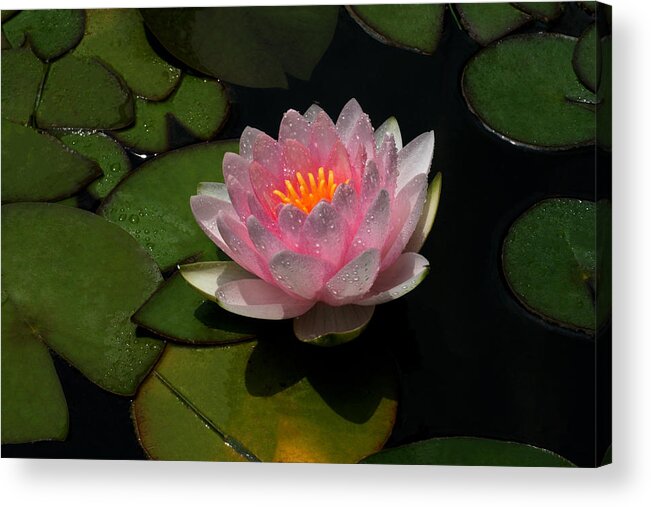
(309, 194)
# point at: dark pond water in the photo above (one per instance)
(472, 361)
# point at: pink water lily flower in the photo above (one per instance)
(322, 225)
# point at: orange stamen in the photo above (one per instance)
(309, 195)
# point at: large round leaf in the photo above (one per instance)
(117, 37)
(550, 261)
(587, 58)
(22, 73)
(414, 27)
(487, 22)
(544, 11)
(524, 89)
(275, 399)
(468, 451)
(82, 93)
(49, 33)
(33, 404)
(153, 203)
(37, 167)
(179, 312)
(104, 151)
(199, 105)
(250, 46)
(76, 279)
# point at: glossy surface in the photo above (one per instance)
(550, 261)
(50, 32)
(106, 153)
(199, 105)
(179, 312)
(37, 167)
(468, 451)
(51, 255)
(117, 38)
(587, 58)
(22, 72)
(269, 400)
(488, 22)
(524, 88)
(95, 99)
(33, 403)
(152, 204)
(248, 46)
(414, 27)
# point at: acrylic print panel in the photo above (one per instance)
(341, 234)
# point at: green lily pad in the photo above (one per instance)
(22, 73)
(81, 93)
(249, 46)
(587, 58)
(589, 6)
(106, 153)
(468, 451)
(414, 27)
(33, 404)
(199, 105)
(524, 89)
(269, 400)
(544, 11)
(178, 311)
(49, 33)
(117, 38)
(605, 94)
(604, 260)
(37, 167)
(153, 203)
(486, 23)
(76, 279)
(550, 261)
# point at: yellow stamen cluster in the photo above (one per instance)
(309, 194)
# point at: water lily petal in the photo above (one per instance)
(268, 153)
(299, 274)
(239, 196)
(312, 112)
(214, 189)
(371, 185)
(398, 279)
(326, 325)
(389, 127)
(324, 233)
(237, 291)
(424, 225)
(323, 136)
(373, 229)
(415, 158)
(339, 163)
(241, 249)
(348, 118)
(290, 225)
(297, 159)
(387, 162)
(263, 239)
(264, 183)
(405, 213)
(294, 126)
(236, 167)
(206, 277)
(354, 279)
(346, 203)
(247, 141)
(205, 209)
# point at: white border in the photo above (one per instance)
(626, 483)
